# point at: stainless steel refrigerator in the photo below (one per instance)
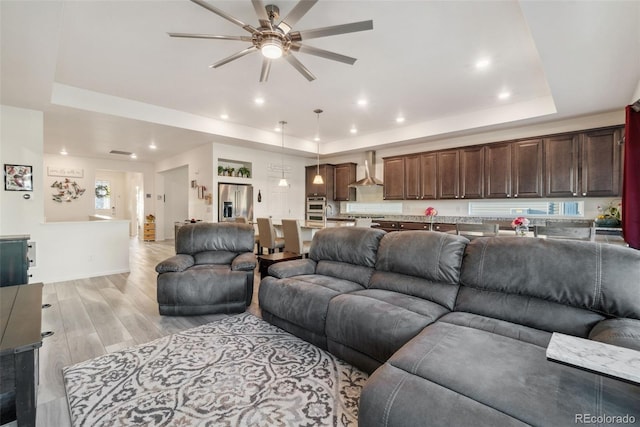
(235, 200)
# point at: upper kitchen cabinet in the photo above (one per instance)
(526, 173)
(561, 160)
(412, 175)
(514, 169)
(460, 173)
(428, 176)
(393, 178)
(472, 173)
(600, 158)
(344, 174)
(320, 190)
(448, 174)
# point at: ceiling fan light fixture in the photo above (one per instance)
(271, 48)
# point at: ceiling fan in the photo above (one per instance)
(276, 39)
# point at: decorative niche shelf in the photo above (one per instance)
(234, 168)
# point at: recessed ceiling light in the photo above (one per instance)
(504, 95)
(225, 116)
(153, 146)
(362, 102)
(483, 63)
(277, 129)
(133, 156)
(63, 152)
(316, 139)
(259, 101)
(353, 130)
(399, 119)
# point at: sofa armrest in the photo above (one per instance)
(620, 332)
(176, 263)
(292, 268)
(246, 261)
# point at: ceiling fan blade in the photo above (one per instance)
(323, 53)
(301, 68)
(234, 57)
(261, 11)
(298, 11)
(210, 36)
(225, 15)
(266, 68)
(352, 27)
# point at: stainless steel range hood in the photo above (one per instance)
(369, 180)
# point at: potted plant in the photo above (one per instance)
(220, 170)
(244, 172)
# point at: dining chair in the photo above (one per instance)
(268, 236)
(363, 222)
(477, 230)
(256, 237)
(559, 232)
(293, 237)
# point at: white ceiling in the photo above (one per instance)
(107, 76)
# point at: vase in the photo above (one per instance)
(522, 230)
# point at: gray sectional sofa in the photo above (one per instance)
(455, 332)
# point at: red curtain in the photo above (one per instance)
(631, 181)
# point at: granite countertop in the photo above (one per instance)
(442, 219)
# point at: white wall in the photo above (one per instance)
(202, 164)
(176, 199)
(121, 171)
(64, 250)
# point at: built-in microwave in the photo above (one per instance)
(316, 205)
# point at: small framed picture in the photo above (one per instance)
(18, 178)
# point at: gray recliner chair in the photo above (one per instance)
(212, 271)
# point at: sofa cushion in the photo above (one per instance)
(202, 289)
(620, 332)
(427, 254)
(500, 327)
(302, 300)
(553, 285)
(353, 245)
(511, 376)
(377, 322)
(221, 236)
(214, 257)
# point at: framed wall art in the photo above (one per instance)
(18, 178)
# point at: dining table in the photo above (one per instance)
(309, 228)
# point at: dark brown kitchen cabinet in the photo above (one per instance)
(472, 173)
(526, 172)
(514, 169)
(394, 178)
(497, 171)
(412, 176)
(428, 176)
(344, 174)
(320, 190)
(448, 174)
(561, 162)
(600, 159)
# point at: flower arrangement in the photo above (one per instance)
(610, 215)
(521, 224)
(431, 212)
(150, 218)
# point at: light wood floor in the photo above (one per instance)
(91, 317)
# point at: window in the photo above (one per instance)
(103, 195)
(530, 208)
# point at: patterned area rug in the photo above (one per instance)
(239, 371)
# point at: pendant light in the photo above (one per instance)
(283, 181)
(318, 178)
